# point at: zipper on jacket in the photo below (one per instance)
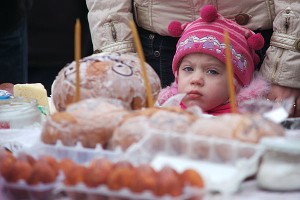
(113, 31)
(287, 16)
(286, 25)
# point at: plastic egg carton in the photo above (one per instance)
(77, 153)
(80, 191)
(22, 191)
(223, 163)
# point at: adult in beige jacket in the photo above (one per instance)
(109, 26)
(282, 63)
(109, 20)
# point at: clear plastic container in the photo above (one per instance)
(18, 113)
(279, 170)
(83, 156)
(227, 164)
(19, 189)
(81, 191)
(223, 163)
(78, 153)
(23, 191)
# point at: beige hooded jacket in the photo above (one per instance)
(109, 20)
(109, 25)
(282, 63)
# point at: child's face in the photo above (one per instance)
(204, 79)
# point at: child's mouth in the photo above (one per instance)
(194, 95)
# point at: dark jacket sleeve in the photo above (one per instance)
(12, 12)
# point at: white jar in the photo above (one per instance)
(280, 167)
(18, 113)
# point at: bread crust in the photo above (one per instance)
(90, 122)
(110, 75)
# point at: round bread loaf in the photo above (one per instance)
(243, 127)
(90, 122)
(138, 124)
(111, 75)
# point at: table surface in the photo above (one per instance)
(250, 191)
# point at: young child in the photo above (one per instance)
(199, 63)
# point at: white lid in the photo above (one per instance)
(281, 144)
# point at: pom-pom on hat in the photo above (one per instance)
(206, 35)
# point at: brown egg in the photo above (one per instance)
(20, 170)
(51, 162)
(66, 164)
(192, 178)
(4, 154)
(42, 173)
(123, 163)
(168, 182)
(102, 162)
(6, 162)
(145, 179)
(74, 174)
(97, 172)
(26, 157)
(122, 175)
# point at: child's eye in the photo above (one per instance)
(212, 71)
(187, 68)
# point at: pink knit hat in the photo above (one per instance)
(206, 35)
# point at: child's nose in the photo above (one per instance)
(197, 78)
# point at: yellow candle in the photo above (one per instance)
(77, 41)
(139, 50)
(230, 73)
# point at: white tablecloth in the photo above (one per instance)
(15, 139)
(250, 191)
